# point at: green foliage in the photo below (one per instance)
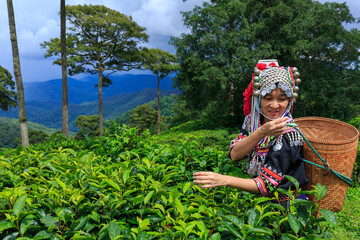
(37, 136)
(166, 105)
(144, 117)
(227, 38)
(89, 126)
(160, 62)
(123, 185)
(10, 131)
(200, 132)
(355, 122)
(7, 94)
(349, 217)
(98, 36)
(99, 41)
(356, 171)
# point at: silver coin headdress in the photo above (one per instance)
(267, 75)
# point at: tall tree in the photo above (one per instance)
(227, 38)
(18, 78)
(100, 41)
(7, 93)
(65, 91)
(143, 117)
(88, 126)
(162, 64)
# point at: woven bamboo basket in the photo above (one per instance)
(337, 143)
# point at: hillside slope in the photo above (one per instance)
(85, 91)
(10, 130)
(49, 113)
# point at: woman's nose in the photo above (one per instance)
(274, 104)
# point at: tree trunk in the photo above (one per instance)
(18, 78)
(101, 118)
(65, 99)
(158, 103)
(231, 99)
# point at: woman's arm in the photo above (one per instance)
(245, 146)
(211, 179)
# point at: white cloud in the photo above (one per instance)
(163, 16)
(29, 41)
(38, 21)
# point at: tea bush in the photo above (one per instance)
(125, 186)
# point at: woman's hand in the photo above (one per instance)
(209, 179)
(274, 128)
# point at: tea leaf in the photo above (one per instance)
(143, 224)
(126, 175)
(6, 225)
(269, 214)
(263, 230)
(62, 184)
(253, 217)
(42, 235)
(19, 205)
(11, 236)
(201, 226)
(329, 216)
(288, 237)
(235, 220)
(320, 191)
(293, 180)
(303, 215)
(49, 222)
(215, 236)
(232, 229)
(147, 162)
(186, 187)
(95, 216)
(138, 199)
(113, 184)
(25, 223)
(303, 202)
(114, 230)
(148, 196)
(294, 223)
(82, 222)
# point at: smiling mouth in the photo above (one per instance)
(273, 112)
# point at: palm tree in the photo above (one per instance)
(65, 102)
(18, 78)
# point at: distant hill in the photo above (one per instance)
(43, 99)
(85, 91)
(49, 113)
(10, 130)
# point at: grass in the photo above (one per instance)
(349, 217)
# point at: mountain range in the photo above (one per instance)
(43, 99)
(85, 91)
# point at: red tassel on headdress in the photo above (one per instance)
(247, 97)
(272, 64)
(261, 66)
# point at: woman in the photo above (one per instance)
(273, 148)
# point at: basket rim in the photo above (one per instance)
(333, 142)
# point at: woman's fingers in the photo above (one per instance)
(205, 179)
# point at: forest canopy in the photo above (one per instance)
(227, 38)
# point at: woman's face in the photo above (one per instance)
(274, 104)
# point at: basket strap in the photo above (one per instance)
(326, 165)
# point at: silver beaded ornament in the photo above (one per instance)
(264, 82)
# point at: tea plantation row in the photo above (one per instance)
(125, 186)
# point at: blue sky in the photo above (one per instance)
(38, 21)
